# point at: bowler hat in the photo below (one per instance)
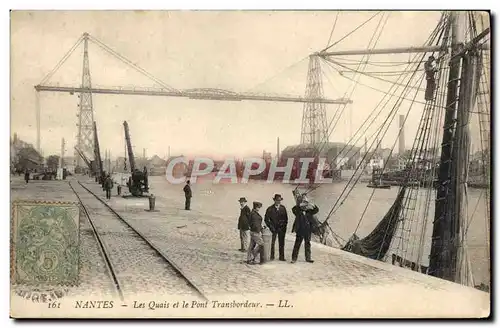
(242, 199)
(277, 197)
(257, 204)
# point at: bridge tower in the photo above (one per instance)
(314, 129)
(85, 138)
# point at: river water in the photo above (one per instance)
(222, 200)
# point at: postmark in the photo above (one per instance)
(45, 243)
(40, 294)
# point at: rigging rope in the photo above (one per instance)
(431, 38)
(349, 61)
(390, 154)
(383, 73)
(370, 87)
(333, 28)
(368, 119)
(353, 31)
(422, 136)
(327, 137)
(369, 75)
(329, 127)
(438, 123)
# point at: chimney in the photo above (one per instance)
(401, 135)
(278, 148)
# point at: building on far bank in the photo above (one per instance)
(156, 165)
(338, 155)
(24, 156)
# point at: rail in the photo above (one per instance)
(102, 247)
(176, 268)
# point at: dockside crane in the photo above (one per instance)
(89, 163)
(138, 181)
(97, 155)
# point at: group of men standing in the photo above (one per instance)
(276, 220)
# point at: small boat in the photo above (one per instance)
(379, 186)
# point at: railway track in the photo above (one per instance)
(134, 264)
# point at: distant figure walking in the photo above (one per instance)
(302, 227)
(26, 175)
(244, 223)
(108, 186)
(145, 172)
(430, 72)
(276, 219)
(188, 194)
(256, 241)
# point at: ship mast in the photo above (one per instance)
(448, 239)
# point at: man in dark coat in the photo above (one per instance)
(26, 175)
(276, 219)
(244, 223)
(303, 212)
(256, 241)
(108, 186)
(430, 72)
(188, 195)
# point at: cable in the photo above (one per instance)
(130, 63)
(330, 128)
(374, 77)
(277, 74)
(382, 72)
(352, 91)
(329, 214)
(348, 34)
(63, 60)
(370, 87)
(350, 61)
(333, 28)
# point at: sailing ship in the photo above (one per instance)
(460, 45)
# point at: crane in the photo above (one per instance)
(138, 181)
(87, 161)
(97, 155)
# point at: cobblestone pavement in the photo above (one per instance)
(206, 248)
(138, 267)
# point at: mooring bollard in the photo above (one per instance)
(266, 236)
(152, 202)
(119, 190)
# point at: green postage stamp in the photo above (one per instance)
(45, 243)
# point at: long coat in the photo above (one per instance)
(187, 191)
(108, 183)
(255, 222)
(276, 219)
(244, 219)
(303, 218)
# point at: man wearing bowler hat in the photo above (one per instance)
(244, 223)
(276, 219)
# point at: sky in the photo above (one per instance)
(258, 51)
